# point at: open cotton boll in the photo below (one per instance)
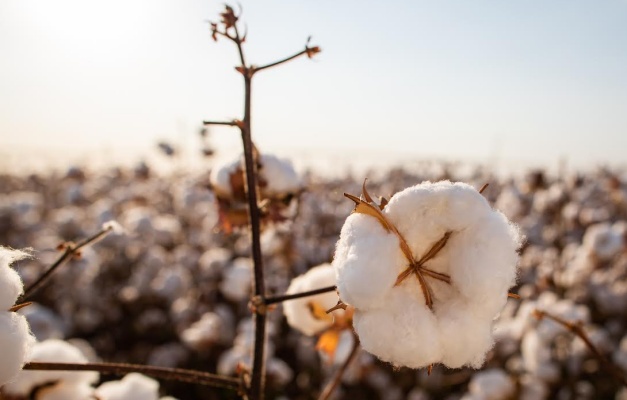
(237, 281)
(10, 282)
(393, 319)
(361, 279)
(307, 314)
(15, 344)
(492, 384)
(603, 241)
(279, 174)
(203, 333)
(52, 350)
(401, 333)
(220, 177)
(133, 386)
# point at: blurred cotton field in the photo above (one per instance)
(172, 290)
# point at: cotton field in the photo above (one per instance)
(170, 284)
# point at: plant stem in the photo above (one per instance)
(71, 249)
(286, 297)
(274, 64)
(169, 374)
(337, 377)
(227, 123)
(577, 329)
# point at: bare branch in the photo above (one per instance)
(224, 123)
(577, 329)
(274, 64)
(71, 250)
(168, 374)
(337, 378)
(286, 297)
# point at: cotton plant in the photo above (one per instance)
(491, 384)
(278, 182)
(427, 273)
(309, 314)
(16, 339)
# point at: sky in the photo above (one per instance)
(505, 82)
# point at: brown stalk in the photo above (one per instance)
(71, 250)
(171, 374)
(18, 307)
(287, 297)
(577, 329)
(230, 21)
(337, 377)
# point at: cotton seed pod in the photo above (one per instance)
(433, 262)
(308, 314)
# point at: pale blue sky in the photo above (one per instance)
(527, 81)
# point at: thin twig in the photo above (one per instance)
(337, 377)
(226, 123)
(168, 374)
(274, 64)
(577, 329)
(71, 249)
(286, 297)
(18, 307)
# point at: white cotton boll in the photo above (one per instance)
(511, 202)
(220, 177)
(480, 257)
(361, 279)
(16, 342)
(537, 357)
(51, 350)
(11, 286)
(603, 241)
(133, 386)
(492, 384)
(300, 313)
(465, 337)
(547, 329)
(66, 391)
(280, 175)
(171, 283)
(401, 333)
(203, 333)
(236, 285)
(114, 227)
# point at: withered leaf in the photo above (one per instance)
(318, 312)
(327, 343)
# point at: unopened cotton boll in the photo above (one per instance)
(133, 386)
(394, 321)
(307, 314)
(52, 350)
(16, 341)
(10, 282)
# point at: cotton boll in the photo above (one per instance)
(361, 279)
(480, 258)
(220, 177)
(51, 350)
(237, 281)
(10, 282)
(133, 386)
(537, 357)
(16, 342)
(467, 348)
(492, 384)
(203, 333)
(603, 241)
(66, 391)
(303, 313)
(279, 174)
(399, 332)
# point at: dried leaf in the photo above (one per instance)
(318, 312)
(327, 343)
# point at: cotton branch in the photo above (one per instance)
(70, 250)
(577, 329)
(228, 28)
(337, 377)
(168, 374)
(286, 297)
